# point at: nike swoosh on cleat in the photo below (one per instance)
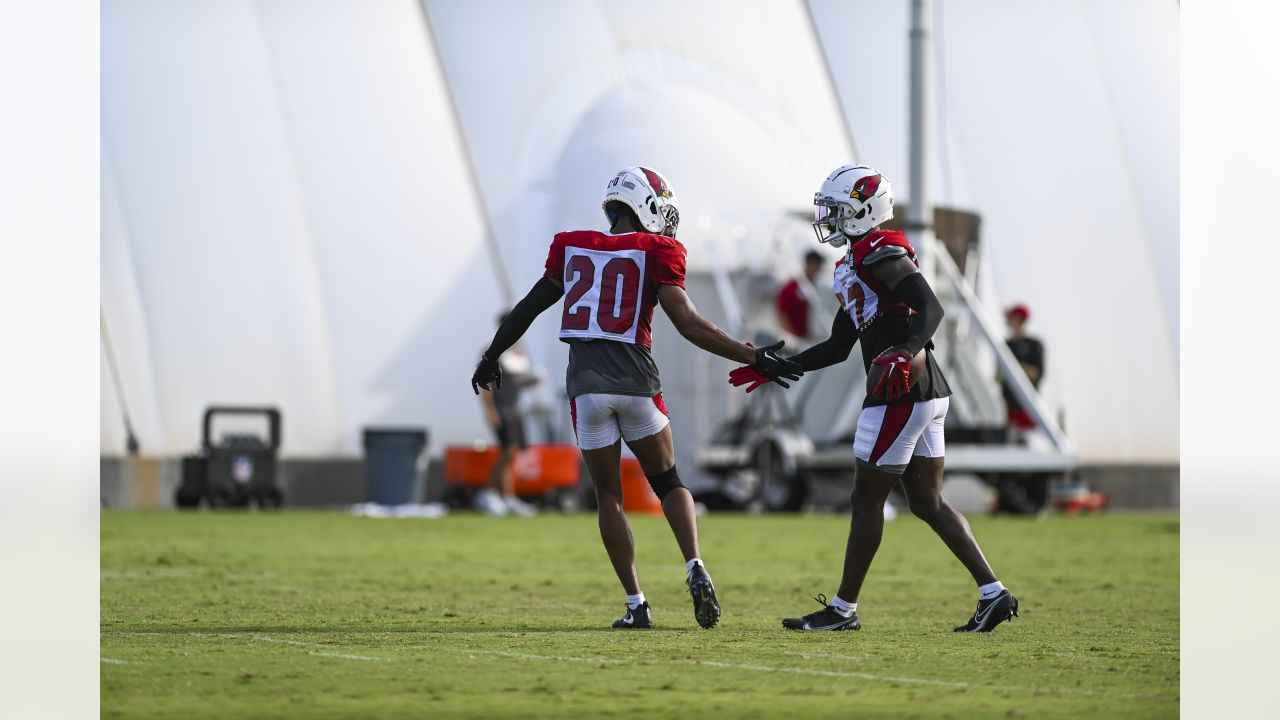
(980, 616)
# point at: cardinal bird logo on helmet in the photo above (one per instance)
(659, 185)
(865, 188)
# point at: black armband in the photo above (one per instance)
(543, 295)
(916, 293)
(834, 349)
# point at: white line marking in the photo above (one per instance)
(113, 661)
(344, 657)
(833, 656)
(264, 638)
(527, 656)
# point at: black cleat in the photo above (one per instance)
(638, 618)
(828, 618)
(706, 609)
(991, 613)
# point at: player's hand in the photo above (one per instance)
(768, 367)
(747, 374)
(773, 367)
(487, 373)
(895, 381)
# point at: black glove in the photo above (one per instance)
(487, 373)
(776, 368)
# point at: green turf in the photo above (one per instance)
(311, 615)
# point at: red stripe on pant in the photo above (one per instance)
(573, 414)
(895, 419)
(661, 404)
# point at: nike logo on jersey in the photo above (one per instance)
(876, 242)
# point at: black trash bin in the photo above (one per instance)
(391, 463)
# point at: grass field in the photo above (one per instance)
(313, 615)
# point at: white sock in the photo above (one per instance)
(688, 567)
(635, 601)
(844, 608)
(990, 590)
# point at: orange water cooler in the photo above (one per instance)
(551, 472)
(637, 495)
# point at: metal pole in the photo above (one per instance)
(919, 215)
(130, 439)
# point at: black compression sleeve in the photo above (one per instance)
(543, 295)
(834, 349)
(915, 292)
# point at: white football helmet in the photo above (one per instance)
(649, 194)
(851, 202)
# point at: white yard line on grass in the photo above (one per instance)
(527, 656)
(344, 657)
(300, 643)
(833, 656)
(113, 661)
(264, 638)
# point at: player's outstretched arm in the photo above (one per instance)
(544, 294)
(699, 330)
(835, 349)
(704, 333)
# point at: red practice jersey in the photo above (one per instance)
(611, 282)
(859, 292)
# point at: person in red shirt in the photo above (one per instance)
(792, 302)
(611, 283)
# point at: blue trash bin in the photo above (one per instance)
(391, 463)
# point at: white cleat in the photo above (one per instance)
(520, 507)
(490, 503)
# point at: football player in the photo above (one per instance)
(611, 282)
(886, 303)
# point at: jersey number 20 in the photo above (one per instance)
(619, 292)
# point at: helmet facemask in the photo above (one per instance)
(671, 219)
(829, 220)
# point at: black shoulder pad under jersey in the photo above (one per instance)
(883, 253)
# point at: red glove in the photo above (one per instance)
(896, 378)
(747, 374)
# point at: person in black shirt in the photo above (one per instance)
(1021, 493)
(1029, 352)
